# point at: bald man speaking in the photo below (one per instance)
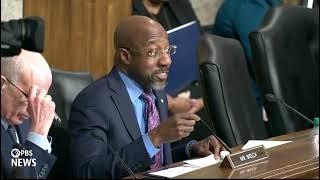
(127, 109)
(27, 114)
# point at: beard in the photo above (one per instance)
(156, 84)
(150, 80)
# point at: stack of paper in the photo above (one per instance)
(202, 162)
(266, 144)
(190, 165)
(176, 171)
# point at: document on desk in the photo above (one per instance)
(202, 162)
(175, 171)
(267, 144)
(190, 165)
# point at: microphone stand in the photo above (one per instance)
(214, 134)
(273, 98)
(97, 136)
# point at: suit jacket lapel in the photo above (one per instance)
(122, 101)
(7, 144)
(6, 147)
(161, 104)
(22, 130)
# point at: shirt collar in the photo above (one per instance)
(133, 87)
(4, 123)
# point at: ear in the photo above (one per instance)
(4, 82)
(125, 56)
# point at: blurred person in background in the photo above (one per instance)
(236, 19)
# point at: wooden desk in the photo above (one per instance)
(298, 159)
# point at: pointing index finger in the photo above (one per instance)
(189, 116)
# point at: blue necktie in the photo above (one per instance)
(12, 133)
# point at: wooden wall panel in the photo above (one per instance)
(79, 33)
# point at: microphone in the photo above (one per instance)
(273, 98)
(97, 136)
(214, 134)
(56, 118)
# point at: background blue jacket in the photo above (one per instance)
(237, 18)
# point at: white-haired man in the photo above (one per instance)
(27, 114)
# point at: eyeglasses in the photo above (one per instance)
(155, 53)
(56, 116)
(25, 94)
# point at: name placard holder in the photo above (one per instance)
(245, 157)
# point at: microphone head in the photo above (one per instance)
(57, 119)
(270, 97)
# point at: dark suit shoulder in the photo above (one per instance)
(95, 91)
(99, 92)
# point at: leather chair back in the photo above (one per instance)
(285, 51)
(64, 89)
(228, 95)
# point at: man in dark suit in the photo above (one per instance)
(123, 109)
(26, 116)
(171, 14)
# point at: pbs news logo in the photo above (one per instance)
(22, 158)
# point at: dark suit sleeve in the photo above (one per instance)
(91, 158)
(179, 153)
(44, 162)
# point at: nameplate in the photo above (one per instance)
(248, 171)
(245, 157)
